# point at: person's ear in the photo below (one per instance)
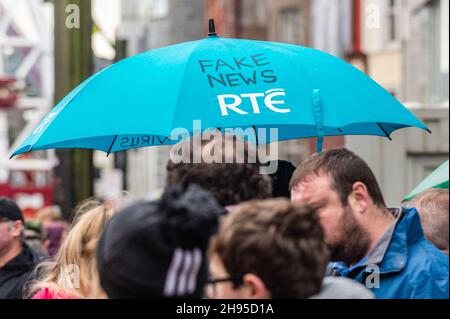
(256, 289)
(295, 194)
(359, 197)
(17, 229)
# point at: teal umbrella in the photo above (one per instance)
(437, 179)
(225, 83)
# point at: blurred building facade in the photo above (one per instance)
(26, 94)
(406, 43)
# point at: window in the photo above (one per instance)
(290, 29)
(419, 167)
(160, 8)
(433, 78)
(392, 14)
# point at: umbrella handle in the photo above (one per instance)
(318, 118)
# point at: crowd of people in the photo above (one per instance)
(226, 231)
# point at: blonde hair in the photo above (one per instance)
(73, 273)
(48, 213)
(432, 206)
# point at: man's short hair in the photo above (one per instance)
(235, 179)
(279, 241)
(345, 169)
(432, 206)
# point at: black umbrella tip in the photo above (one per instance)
(212, 28)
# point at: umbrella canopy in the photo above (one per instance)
(437, 179)
(225, 83)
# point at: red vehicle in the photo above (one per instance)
(29, 198)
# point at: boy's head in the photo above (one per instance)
(432, 206)
(268, 249)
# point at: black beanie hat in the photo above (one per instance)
(281, 179)
(9, 210)
(158, 249)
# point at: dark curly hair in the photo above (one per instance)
(280, 242)
(230, 182)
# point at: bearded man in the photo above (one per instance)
(384, 249)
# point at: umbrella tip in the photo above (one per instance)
(212, 28)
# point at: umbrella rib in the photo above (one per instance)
(384, 131)
(110, 147)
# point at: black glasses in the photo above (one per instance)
(211, 284)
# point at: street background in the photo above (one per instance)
(49, 47)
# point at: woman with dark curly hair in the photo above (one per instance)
(231, 177)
